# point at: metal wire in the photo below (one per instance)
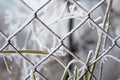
(34, 16)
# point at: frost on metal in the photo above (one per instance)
(48, 39)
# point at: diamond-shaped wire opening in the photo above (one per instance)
(35, 36)
(87, 5)
(29, 19)
(33, 5)
(14, 15)
(52, 67)
(56, 20)
(83, 21)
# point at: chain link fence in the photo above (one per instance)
(56, 37)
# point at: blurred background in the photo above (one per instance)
(59, 17)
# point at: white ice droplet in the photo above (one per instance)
(72, 8)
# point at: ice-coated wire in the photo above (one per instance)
(61, 17)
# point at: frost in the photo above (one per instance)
(72, 8)
(104, 59)
(35, 4)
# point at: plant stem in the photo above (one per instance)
(100, 39)
(36, 52)
(25, 51)
(86, 77)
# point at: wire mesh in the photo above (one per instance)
(46, 39)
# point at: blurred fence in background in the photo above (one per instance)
(43, 38)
